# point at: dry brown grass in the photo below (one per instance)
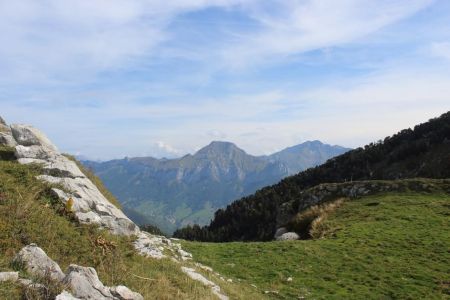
(310, 222)
(28, 214)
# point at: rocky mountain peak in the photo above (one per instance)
(219, 149)
(219, 146)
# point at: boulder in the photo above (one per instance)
(6, 138)
(84, 283)
(124, 293)
(37, 263)
(33, 152)
(9, 276)
(280, 231)
(288, 236)
(2, 121)
(26, 135)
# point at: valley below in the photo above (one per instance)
(174, 193)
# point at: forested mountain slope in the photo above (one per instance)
(172, 193)
(420, 152)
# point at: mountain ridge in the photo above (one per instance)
(420, 152)
(188, 189)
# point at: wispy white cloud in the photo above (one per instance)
(348, 112)
(291, 27)
(122, 78)
(56, 40)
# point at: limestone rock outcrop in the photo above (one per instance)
(37, 263)
(89, 204)
(89, 207)
(6, 137)
(123, 293)
(82, 281)
(26, 135)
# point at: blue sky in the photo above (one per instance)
(108, 79)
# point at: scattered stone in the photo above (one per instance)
(89, 207)
(184, 254)
(25, 282)
(199, 277)
(9, 276)
(84, 283)
(271, 292)
(149, 245)
(289, 279)
(37, 263)
(230, 280)
(288, 236)
(66, 296)
(124, 293)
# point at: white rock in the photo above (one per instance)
(66, 296)
(288, 236)
(35, 152)
(289, 279)
(84, 283)
(90, 206)
(203, 267)
(25, 282)
(192, 273)
(149, 245)
(7, 139)
(9, 276)
(280, 231)
(37, 263)
(184, 254)
(54, 164)
(26, 135)
(124, 293)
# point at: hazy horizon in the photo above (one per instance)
(174, 156)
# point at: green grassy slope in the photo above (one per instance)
(392, 246)
(29, 214)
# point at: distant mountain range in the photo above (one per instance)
(422, 152)
(171, 193)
